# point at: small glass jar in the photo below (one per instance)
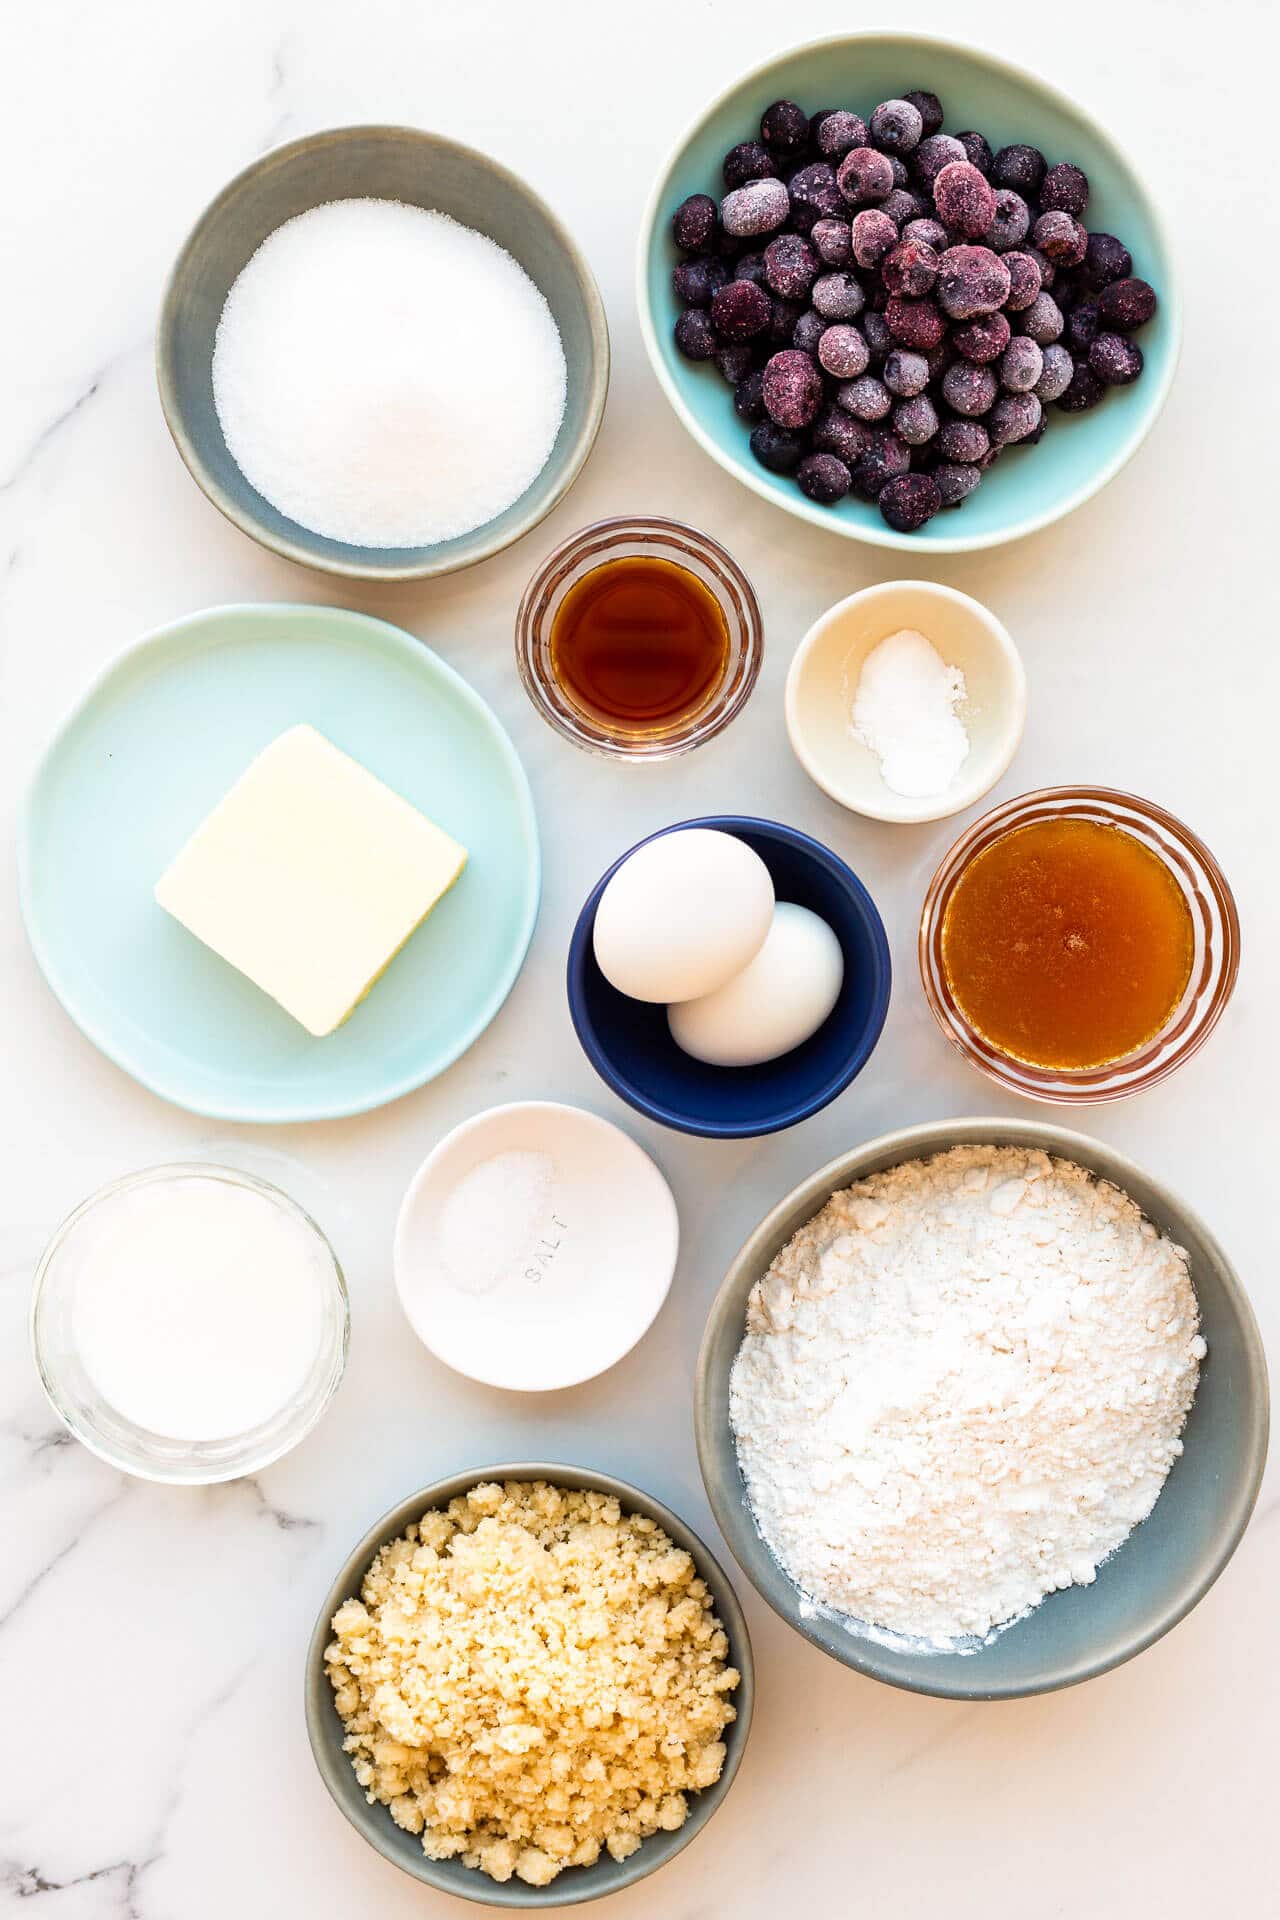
(136, 1450)
(658, 539)
(1215, 957)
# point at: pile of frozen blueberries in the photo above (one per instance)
(894, 306)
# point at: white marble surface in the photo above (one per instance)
(154, 1760)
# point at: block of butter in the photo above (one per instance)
(309, 877)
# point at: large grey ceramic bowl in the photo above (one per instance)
(1165, 1566)
(576, 1884)
(380, 163)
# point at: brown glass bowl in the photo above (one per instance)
(657, 539)
(1214, 965)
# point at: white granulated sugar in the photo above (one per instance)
(492, 1222)
(385, 376)
(904, 710)
(961, 1387)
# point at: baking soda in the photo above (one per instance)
(904, 710)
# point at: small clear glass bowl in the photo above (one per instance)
(134, 1449)
(1215, 960)
(616, 540)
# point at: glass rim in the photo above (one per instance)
(1209, 900)
(734, 594)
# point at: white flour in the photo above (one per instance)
(961, 1387)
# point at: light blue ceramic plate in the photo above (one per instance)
(152, 747)
(1032, 486)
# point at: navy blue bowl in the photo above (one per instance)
(629, 1043)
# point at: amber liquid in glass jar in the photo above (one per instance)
(639, 643)
(1067, 944)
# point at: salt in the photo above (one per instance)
(493, 1221)
(385, 376)
(904, 710)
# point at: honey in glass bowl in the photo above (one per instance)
(1067, 943)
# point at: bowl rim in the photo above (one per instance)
(318, 1694)
(881, 967)
(715, 1443)
(596, 382)
(898, 810)
(872, 533)
(1054, 1085)
(477, 1123)
(154, 641)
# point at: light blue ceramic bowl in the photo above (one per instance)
(155, 744)
(1032, 486)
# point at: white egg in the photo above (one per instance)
(684, 914)
(774, 1004)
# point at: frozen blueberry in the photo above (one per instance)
(1036, 434)
(823, 478)
(1126, 304)
(926, 232)
(940, 358)
(835, 431)
(1042, 321)
(873, 235)
(902, 206)
(838, 296)
(1020, 167)
(936, 151)
(963, 440)
(977, 150)
(915, 420)
(748, 397)
(1116, 360)
(897, 126)
(966, 203)
(1013, 417)
(838, 133)
(696, 282)
(694, 222)
(750, 266)
(1048, 271)
(740, 310)
(917, 324)
(865, 176)
(814, 196)
(759, 207)
(982, 340)
(832, 241)
(695, 336)
(928, 106)
(1082, 391)
(955, 484)
(1081, 329)
(783, 315)
(884, 460)
(1060, 237)
(972, 280)
(736, 362)
(1024, 281)
(1020, 365)
(909, 268)
(790, 266)
(901, 177)
(1105, 259)
(792, 388)
(1058, 367)
(866, 398)
(908, 500)
(969, 390)
(843, 352)
(774, 447)
(1012, 222)
(875, 331)
(784, 128)
(906, 374)
(1064, 189)
(806, 331)
(750, 160)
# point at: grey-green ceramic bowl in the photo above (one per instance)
(576, 1884)
(381, 163)
(1031, 486)
(1165, 1566)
